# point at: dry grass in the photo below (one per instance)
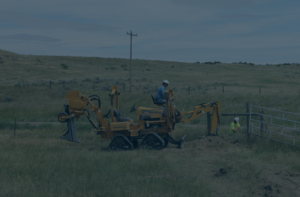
(203, 78)
(37, 162)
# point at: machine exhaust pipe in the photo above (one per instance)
(70, 135)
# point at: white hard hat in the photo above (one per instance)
(166, 82)
(236, 119)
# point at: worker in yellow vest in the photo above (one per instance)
(235, 125)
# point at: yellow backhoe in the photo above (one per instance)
(152, 127)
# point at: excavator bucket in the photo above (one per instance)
(70, 135)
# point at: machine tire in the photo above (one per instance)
(152, 141)
(120, 143)
(60, 115)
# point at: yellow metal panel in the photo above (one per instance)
(74, 94)
(119, 126)
(134, 133)
(134, 127)
(77, 104)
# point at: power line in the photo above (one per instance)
(131, 34)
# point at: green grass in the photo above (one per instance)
(37, 162)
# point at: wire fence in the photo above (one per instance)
(146, 86)
(276, 125)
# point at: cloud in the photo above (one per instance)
(220, 4)
(30, 38)
(239, 16)
(30, 21)
(180, 30)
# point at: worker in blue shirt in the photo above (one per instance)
(160, 95)
(161, 91)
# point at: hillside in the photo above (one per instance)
(38, 162)
(201, 77)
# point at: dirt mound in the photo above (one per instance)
(214, 144)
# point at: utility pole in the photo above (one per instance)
(130, 52)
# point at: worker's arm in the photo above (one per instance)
(238, 126)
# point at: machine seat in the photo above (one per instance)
(118, 117)
(156, 102)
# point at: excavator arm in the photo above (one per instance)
(201, 110)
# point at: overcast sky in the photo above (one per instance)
(258, 31)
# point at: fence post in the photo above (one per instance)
(50, 84)
(208, 123)
(189, 89)
(261, 119)
(259, 90)
(250, 136)
(223, 89)
(248, 119)
(15, 125)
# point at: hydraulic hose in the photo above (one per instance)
(95, 99)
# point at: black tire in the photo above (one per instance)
(60, 117)
(152, 141)
(120, 143)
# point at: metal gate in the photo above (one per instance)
(280, 126)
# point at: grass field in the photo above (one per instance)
(36, 162)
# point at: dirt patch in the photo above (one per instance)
(224, 162)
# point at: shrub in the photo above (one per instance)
(124, 66)
(18, 84)
(148, 70)
(64, 66)
(113, 68)
(74, 80)
(7, 99)
(106, 87)
(86, 79)
(106, 68)
(197, 62)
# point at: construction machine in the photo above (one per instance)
(152, 129)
